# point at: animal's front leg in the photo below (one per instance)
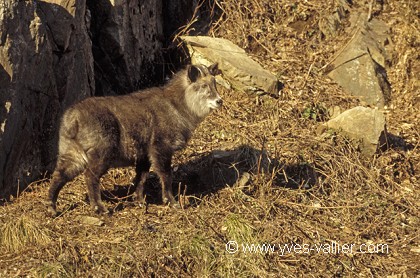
(162, 167)
(167, 195)
(94, 192)
(142, 171)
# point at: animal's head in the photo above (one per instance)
(201, 94)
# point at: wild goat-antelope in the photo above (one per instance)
(143, 129)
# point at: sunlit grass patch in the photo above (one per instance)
(19, 233)
(51, 269)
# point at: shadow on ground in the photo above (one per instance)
(210, 173)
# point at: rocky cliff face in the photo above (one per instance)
(56, 52)
(127, 41)
(45, 64)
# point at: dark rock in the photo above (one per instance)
(46, 64)
(127, 38)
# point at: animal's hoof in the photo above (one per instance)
(171, 202)
(52, 212)
(100, 209)
(139, 201)
(141, 204)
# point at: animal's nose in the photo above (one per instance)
(219, 102)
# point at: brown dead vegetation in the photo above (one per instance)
(273, 181)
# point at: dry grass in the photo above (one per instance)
(20, 233)
(255, 173)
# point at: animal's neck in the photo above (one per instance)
(191, 115)
(185, 101)
(195, 108)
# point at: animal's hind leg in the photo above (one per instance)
(66, 169)
(142, 171)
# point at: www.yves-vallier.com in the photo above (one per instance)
(284, 249)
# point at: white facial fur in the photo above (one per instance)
(202, 96)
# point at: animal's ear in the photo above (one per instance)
(193, 73)
(214, 69)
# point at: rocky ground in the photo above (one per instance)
(256, 173)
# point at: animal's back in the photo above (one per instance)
(124, 126)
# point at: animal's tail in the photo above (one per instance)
(71, 154)
(70, 124)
